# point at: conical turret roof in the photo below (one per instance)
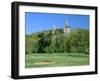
(66, 24)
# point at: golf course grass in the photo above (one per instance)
(37, 60)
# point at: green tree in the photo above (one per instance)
(28, 46)
(78, 41)
(44, 42)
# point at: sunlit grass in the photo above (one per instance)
(56, 59)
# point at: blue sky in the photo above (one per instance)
(37, 22)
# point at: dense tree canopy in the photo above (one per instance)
(77, 41)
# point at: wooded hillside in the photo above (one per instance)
(77, 41)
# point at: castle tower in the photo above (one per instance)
(54, 29)
(66, 28)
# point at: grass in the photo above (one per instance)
(56, 59)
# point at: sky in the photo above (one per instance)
(37, 22)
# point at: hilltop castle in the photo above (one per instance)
(65, 30)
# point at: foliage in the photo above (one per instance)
(77, 41)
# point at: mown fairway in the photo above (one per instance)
(56, 59)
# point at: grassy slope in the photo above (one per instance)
(62, 59)
(34, 36)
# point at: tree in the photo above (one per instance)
(78, 41)
(44, 42)
(28, 46)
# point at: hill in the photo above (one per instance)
(46, 42)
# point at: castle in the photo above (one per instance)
(66, 29)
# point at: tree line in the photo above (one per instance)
(77, 41)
